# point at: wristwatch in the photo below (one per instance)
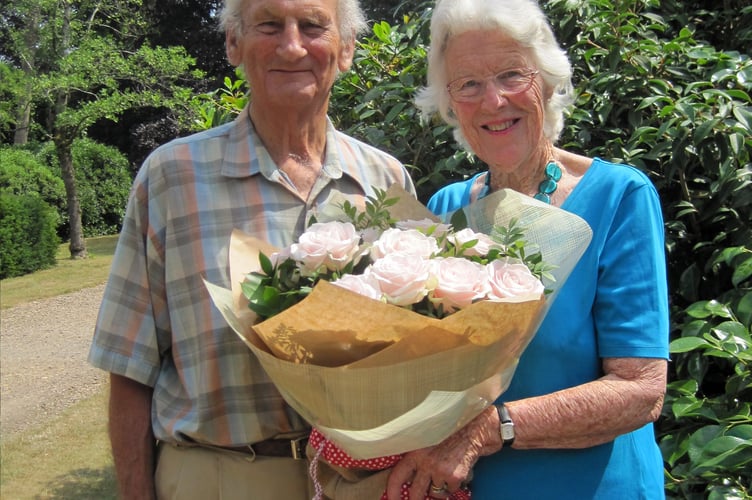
(506, 426)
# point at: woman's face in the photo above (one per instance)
(505, 131)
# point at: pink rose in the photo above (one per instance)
(509, 278)
(362, 284)
(409, 241)
(326, 246)
(460, 282)
(483, 245)
(404, 279)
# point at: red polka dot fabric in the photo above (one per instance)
(332, 454)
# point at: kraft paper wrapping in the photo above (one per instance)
(380, 380)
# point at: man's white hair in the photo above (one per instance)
(350, 18)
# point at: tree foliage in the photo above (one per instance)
(193, 25)
(103, 180)
(374, 102)
(23, 173)
(84, 62)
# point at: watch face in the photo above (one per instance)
(507, 431)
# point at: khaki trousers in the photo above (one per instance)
(347, 484)
(196, 473)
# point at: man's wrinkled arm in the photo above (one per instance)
(131, 437)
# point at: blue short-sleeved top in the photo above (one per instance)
(614, 304)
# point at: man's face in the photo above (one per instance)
(291, 50)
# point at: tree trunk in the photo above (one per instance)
(77, 243)
(28, 65)
(23, 121)
(63, 138)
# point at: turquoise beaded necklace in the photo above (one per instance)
(546, 188)
(549, 184)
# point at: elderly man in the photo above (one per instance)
(192, 414)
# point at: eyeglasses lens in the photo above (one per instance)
(507, 82)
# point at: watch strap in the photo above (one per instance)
(506, 426)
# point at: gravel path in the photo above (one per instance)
(43, 349)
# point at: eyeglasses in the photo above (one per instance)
(509, 81)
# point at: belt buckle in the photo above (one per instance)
(298, 446)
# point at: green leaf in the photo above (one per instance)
(382, 31)
(698, 310)
(686, 344)
(266, 264)
(683, 387)
(458, 220)
(704, 309)
(726, 492)
(705, 129)
(394, 112)
(742, 272)
(686, 407)
(744, 309)
(719, 309)
(744, 115)
(727, 451)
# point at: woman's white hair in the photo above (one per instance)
(350, 17)
(523, 21)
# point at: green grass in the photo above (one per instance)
(67, 276)
(68, 457)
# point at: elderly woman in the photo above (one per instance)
(576, 421)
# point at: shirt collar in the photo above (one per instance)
(245, 155)
(240, 157)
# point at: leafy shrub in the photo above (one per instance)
(653, 94)
(707, 423)
(221, 105)
(103, 181)
(374, 102)
(724, 25)
(28, 241)
(22, 173)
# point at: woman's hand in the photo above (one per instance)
(448, 464)
(628, 396)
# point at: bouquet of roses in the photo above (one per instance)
(422, 265)
(389, 337)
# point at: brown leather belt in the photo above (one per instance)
(290, 448)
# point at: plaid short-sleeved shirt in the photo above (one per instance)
(157, 324)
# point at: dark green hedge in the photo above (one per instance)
(28, 241)
(103, 180)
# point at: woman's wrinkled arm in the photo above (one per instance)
(628, 396)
